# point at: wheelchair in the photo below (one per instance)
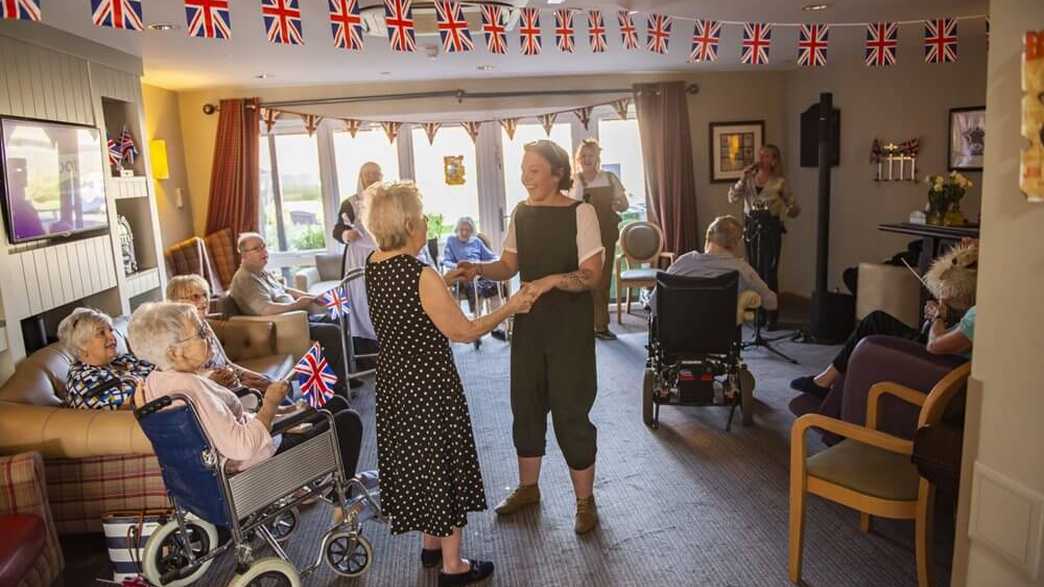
(694, 347)
(258, 506)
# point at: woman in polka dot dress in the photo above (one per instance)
(430, 474)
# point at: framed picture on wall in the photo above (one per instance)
(734, 146)
(967, 138)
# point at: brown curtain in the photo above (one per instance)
(235, 176)
(663, 123)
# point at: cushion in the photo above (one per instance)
(245, 340)
(866, 469)
(274, 366)
(329, 266)
(21, 543)
(642, 273)
(222, 246)
(641, 240)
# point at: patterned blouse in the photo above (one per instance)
(105, 388)
(775, 196)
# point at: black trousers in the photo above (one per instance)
(877, 322)
(349, 434)
(763, 235)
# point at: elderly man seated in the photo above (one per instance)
(723, 246)
(99, 378)
(465, 245)
(261, 293)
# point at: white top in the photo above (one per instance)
(588, 236)
(604, 179)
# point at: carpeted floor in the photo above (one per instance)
(688, 504)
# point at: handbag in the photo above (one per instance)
(126, 533)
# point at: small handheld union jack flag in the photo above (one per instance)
(812, 45)
(530, 31)
(115, 152)
(940, 40)
(315, 376)
(282, 21)
(336, 302)
(20, 9)
(127, 147)
(398, 17)
(564, 32)
(757, 40)
(453, 27)
(706, 37)
(208, 19)
(658, 33)
(628, 34)
(493, 28)
(118, 14)
(346, 24)
(596, 31)
(881, 41)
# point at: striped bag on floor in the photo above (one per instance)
(125, 535)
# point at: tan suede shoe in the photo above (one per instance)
(586, 515)
(522, 496)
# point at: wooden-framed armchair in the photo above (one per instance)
(870, 471)
(640, 243)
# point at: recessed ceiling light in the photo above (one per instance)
(162, 26)
(815, 7)
(263, 76)
(385, 73)
(555, 1)
(485, 67)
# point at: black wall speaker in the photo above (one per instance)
(810, 137)
(832, 317)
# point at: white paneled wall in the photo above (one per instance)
(36, 83)
(57, 275)
(127, 187)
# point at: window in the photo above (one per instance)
(561, 133)
(292, 206)
(351, 152)
(442, 198)
(622, 154)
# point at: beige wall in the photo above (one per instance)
(1009, 334)
(163, 121)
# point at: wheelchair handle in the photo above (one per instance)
(153, 407)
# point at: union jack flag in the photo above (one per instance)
(658, 33)
(20, 9)
(115, 152)
(346, 24)
(282, 21)
(128, 149)
(398, 17)
(430, 128)
(596, 31)
(493, 28)
(705, 39)
(336, 302)
(757, 40)
(208, 19)
(940, 40)
(530, 31)
(564, 37)
(472, 127)
(881, 40)
(812, 45)
(628, 34)
(315, 376)
(453, 27)
(117, 14)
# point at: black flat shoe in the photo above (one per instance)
(479, 571)
(430, 557)
(808, 385)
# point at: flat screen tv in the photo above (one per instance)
(52, 180)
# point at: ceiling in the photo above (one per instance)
(175, 61)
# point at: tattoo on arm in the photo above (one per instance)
(580, 280)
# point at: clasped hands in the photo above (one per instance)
(521, 301)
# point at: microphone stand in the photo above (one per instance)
(754, 231)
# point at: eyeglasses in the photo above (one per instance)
(201, 333)
(259, 247)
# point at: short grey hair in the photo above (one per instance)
(468, 221)
(155, 327)
(726, 231)
(393, 210)
(180, 287)
(247, 236)
(76, 329)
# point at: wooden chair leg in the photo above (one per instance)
(628, 300)
(797, 527)
(923, 535)
(619, 304)
(864, 522)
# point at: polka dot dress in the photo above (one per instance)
(429, 469)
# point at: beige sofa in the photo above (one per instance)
(324, 276)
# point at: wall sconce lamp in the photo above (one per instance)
(158, 153)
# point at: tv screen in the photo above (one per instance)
(52, 181)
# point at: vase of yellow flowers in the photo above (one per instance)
(944, 199)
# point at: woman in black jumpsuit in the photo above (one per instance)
(554, 242)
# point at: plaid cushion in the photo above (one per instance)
(84, 490)
(23, 491)
(222, 246)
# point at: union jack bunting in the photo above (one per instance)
(282, 21)
(510, 125)
(706, 37)
(628, 34)
(336, 302)
(596, 31)
(881, 41)
(757, 40)
(584, 114)
(269, 116)
(311, 122)
(391, 129)
(472, 126)
(940, 40)
(117, 14)
(564, 32)
(208, 19)
(128, 149)
(398, 16)
(812, 45)
(530, 31)
(352, 126)
(658, 33)
(430, 128)
(115, 152)
(346, 24)
(493, 28)
(20, 9)
(621, 107)
(315, 376)
(453, 27)
(548, 121)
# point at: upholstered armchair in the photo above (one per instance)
(30, 554)
(324, 275)
(189, 257)
(640, 243)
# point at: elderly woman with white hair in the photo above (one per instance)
(465, 245)
(100, 378)
(430, 477)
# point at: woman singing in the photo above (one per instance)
(766, 200)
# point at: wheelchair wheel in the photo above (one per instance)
(165, 551)
(283, 525)
(648, 383)
(746, 383)
(268, 572)
(348, 554)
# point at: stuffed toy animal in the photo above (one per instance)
(952, 277)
